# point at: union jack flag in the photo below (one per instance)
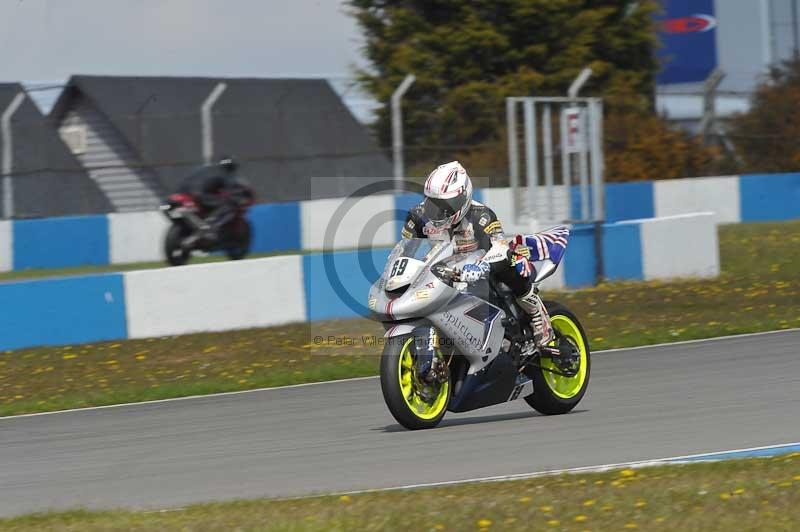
(549, 244)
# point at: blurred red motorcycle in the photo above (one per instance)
(191, 229)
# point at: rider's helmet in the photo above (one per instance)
(448, 195)
(228, 164)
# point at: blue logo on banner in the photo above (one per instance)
(686, 29)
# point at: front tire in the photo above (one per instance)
(556, 394)
(401, 389)
(174, 253)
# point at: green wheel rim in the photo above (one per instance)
(561, 386)
(411, 396)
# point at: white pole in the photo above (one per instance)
(547, 141)
(579, 82)
(205, 112)
(513, 156)
(8, 154)
(596, 132)
(532, 164)
(766, 33)
(397, 129)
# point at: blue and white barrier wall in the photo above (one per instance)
(277, 290)
(375, 220)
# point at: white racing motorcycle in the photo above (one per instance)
(450, 346)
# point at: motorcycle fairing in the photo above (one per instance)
(475, 326)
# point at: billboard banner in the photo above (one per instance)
(687, 30)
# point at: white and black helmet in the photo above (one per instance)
(448, 195)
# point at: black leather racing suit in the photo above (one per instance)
(477, 230)
(216, 191)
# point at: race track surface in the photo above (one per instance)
(642, 404)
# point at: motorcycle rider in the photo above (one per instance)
(217, 189)
(449, 213)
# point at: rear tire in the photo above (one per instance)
(396, 375)
(175, 255)
(242, 245)
(553, 394)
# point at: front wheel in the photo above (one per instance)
(554, 391)
(413, 404)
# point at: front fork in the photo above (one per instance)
(431, 368)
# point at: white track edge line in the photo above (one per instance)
(675, 460)
(354, 379)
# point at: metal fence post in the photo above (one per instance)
(8, 154)
(531, 162)
(710, 86)
(205, 112)
(513, 156)
(397, 130)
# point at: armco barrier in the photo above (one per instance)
(276, 290)
(376, 220)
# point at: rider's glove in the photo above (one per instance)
(472, 273)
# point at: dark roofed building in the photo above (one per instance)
(294, 138)
(47, 180)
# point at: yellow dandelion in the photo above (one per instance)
(738, 491)
(345, 498)
(484, 523)
(796, 477)
(554, 522)
(546, 509)
(69, 357)
(724, 496)
(659, 519)
(641, 504)
(140, 357)
(438, 527)
(589, 502)
(580, 518)
(627, 473)
(631, 525)
(524, 499)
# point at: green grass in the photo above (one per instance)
(742, 495)
(759, 290)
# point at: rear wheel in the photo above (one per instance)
(414, 404)
(554, 390)
(241, 241)
(175, 254)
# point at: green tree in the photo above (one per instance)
(469, 55)
(767, 136)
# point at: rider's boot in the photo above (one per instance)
(540, 319)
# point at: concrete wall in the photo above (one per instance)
(6, 247)
(214, 297)
(375, 221)
(276, 290)
(718, 195)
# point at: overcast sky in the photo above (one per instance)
(51, 39)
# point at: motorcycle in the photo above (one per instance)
(190, 231)
(458, 347)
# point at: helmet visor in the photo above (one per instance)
(439, 210)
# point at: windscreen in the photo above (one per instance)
(415, 248)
